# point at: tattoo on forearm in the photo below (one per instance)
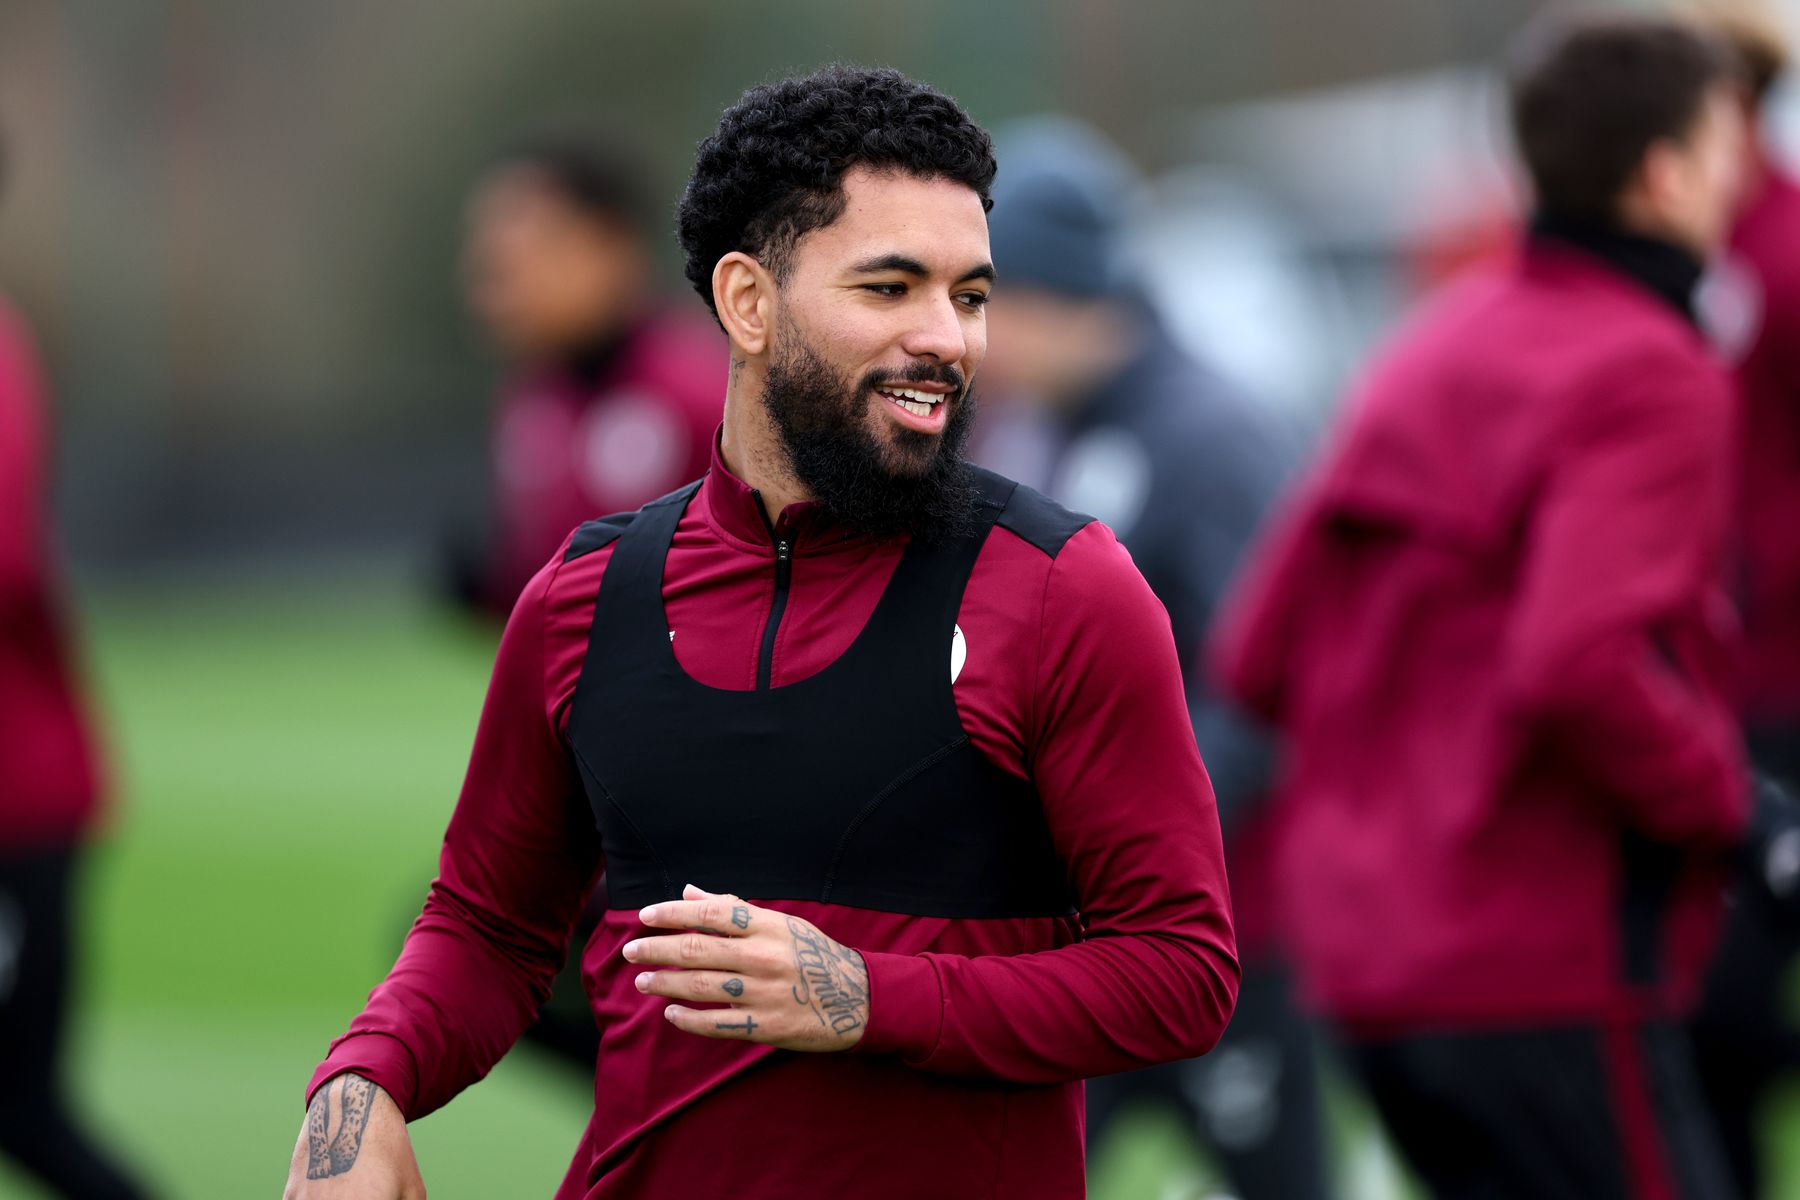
(740, 916)
(333, 1150)
(733, 987)
(748, 1025)
(834, 982)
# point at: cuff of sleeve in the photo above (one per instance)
(906, 1006)
(383, 1060)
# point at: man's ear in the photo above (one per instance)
(744, 293)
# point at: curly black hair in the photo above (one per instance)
(773, 172)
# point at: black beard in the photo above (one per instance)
(919, 485)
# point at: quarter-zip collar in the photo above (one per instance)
(734, 509)
(1665, 269)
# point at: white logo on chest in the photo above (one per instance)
(959, 652)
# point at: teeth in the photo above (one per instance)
(926, 398)
(917, 408)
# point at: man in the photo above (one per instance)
(49, 801)
(612, 401)
(1492, 632)
(1744, 1035)
(917, 732)
(1183, 467)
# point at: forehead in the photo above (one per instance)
(938, 222)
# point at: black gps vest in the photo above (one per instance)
(855, 786)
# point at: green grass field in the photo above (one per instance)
(286, 759)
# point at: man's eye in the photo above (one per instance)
(975, 299)
(885, 289)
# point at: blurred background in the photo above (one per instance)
(236, 227)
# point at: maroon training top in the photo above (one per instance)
(48, 784)
(1492, 631)
(966, 1081)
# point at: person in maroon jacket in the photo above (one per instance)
(612, 397)
(612, 400)
(1492, 632)
(918, 733)
(1744, 1033)
(49, 793)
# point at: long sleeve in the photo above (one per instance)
(517, 862)
(1610, 659)
(1129, 806)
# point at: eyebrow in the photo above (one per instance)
(912, 266)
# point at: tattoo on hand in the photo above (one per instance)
(733, 987)
(834, 982)
(740, 916)
(332, 1152)
(748, 1025)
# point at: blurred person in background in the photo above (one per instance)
(1492, 631)
(49, 800)
(613, 398)
(1744, 1034)
(893, 699)
(1183, 467)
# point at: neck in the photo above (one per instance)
(591, 358)
(749, 443)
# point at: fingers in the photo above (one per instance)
(731, 1023)
(689, 951)
(725, 915)
(711, 987)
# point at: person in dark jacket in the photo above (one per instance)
(1491, 629)
(1184, 467)
(49, 804)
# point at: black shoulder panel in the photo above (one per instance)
(1037, 519)
(604, 531)
(593, 535)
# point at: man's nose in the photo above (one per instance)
(937, 332)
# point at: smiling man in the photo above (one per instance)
(918, 733)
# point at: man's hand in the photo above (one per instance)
(353, 1146)
(787, 983)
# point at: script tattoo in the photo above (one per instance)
(733, 987)
(332, 1151)
(834, 983)
(740, 916)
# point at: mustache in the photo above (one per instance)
(921, 372)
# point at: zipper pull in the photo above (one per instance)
(781, 551)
